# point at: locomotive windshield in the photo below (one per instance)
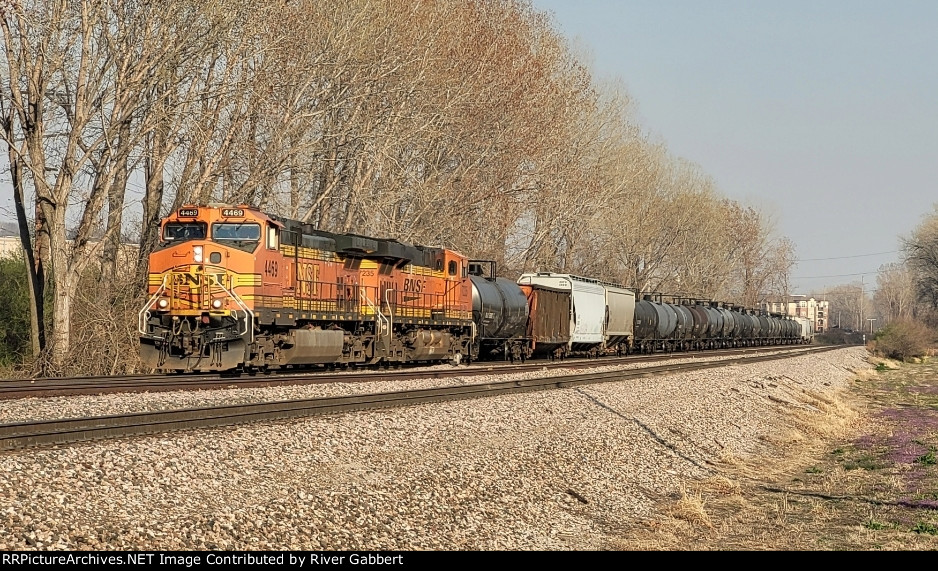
(182, 231)
(242, 236)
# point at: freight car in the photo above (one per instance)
(233, 288)
(577, 319)
(805, 329)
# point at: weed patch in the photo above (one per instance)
(864, 462)
(927, 459)
(873, 524)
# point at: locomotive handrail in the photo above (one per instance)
(248, 327)
(144, 314)
(387, 301)
(381, 317)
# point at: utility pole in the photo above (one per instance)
(860, 301)
(871, 320)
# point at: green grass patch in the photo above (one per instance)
(882, 367)
(873, 524)
(927, 459)
(924, 527)
(865, 463)
(813, 470)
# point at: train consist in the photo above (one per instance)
(233, 288)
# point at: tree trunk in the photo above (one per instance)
(115, 209)
(33, 266)
(64, 288)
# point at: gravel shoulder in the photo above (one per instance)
(568, 469)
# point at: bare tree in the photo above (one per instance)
(921, 257)
(465, 124)
(895, 296)
(761, 263)
(80, 72)
(848, 305)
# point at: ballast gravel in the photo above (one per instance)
(562, 469)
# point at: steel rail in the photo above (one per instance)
(65, 386)
(71, 430)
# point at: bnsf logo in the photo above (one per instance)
(308, 279)
(414, 285)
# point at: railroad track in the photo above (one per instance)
(68, 386)
(66, 431)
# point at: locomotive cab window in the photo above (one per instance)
(451, 267)
(182, 231)
(273, 238)
(243, 236)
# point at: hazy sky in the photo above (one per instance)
(824, 113)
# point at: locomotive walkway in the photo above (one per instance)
(66, 431)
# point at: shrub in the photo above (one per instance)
(104, 324)
(903, 339)
(14, 310)
(839, 337)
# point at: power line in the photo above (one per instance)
(847, 257)
(838, 275)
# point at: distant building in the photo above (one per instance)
(801, 306)
(11, 245)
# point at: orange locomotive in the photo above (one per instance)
(234, 288)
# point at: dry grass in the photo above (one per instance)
(690, 508)
(815, 490)
(721, 485)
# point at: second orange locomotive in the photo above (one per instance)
(232, 287)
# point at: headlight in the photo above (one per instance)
(197, 254)
(216, 303)
(163, 303)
